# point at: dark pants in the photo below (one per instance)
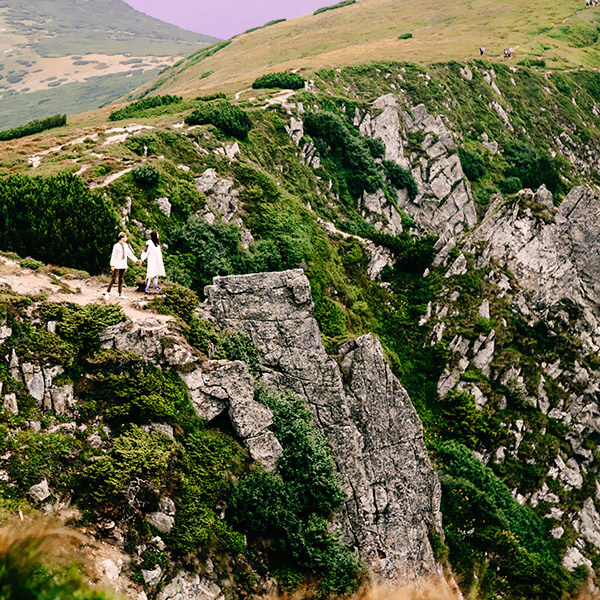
(120, 273)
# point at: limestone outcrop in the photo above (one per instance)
(444, 203)
(554, 253)
(374, 431)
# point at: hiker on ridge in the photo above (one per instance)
(118, 263)
(155, 267)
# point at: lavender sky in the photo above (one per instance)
(224, 18)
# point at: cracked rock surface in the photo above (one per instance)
(393, 494)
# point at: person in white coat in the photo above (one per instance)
(121, 252)
(155, 267)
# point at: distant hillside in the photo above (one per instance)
(51, 49)
(564, 33)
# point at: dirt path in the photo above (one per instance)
(69, 288)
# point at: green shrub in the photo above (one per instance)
(482, 195)
(35, 344)
(376, 147)
(215, 96)
(239, 346)
(466, 423)
(180, 301)
(136, 393)
(532, 166)
(334, 6)
(137, 109)
(56, 220)
(473, 166)
(31, 263)
(267, 24)
(400, 178)
(230, 119)
(35, 126)
(511, 185)
(80, 326)
(357, 166)
(134, 454)
(208, 457)
(533, 62)
(413, 255)
(146, 176)
(288, 81)
(201, 334)
(37, 456)
(484, 522)
(207, 250)
(289, 510)
(405, 36)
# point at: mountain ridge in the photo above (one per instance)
(59, 53)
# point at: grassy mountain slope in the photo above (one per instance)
(509, 524)
(369, 30)
(49, 46)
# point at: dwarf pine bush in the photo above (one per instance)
(56, 219)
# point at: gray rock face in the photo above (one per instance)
(379, 211)
(386, 126)
(188, 586)
(163, 522)
(213, 386)
(223, 200)
(152, 576)
(224, 385)
(376, 436)
(39, 492)
(164, 206)
(444, 202)
(556, 257)
(39, 380)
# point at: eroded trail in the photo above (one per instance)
(72, 288)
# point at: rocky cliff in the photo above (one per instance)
(392, 492)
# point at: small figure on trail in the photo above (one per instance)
(155, 267)
(121, 252)
(506, 54)
(311, 85)
(481, 51)
(510, 52)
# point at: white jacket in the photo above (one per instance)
(120, 254)
(155, 266)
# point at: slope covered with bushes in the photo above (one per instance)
(291, 211)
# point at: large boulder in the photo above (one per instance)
(393, 494)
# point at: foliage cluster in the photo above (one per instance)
(290, 508)
(56, 219)
(412, 254)
(400, 178)
(288, 81)
(230, 119)
(267, 24)
(140, 107)
(473, 166)
(484, 522)
(35, 126)
(146, 176)
(356, 165)
(531, 166)
(334, 6)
